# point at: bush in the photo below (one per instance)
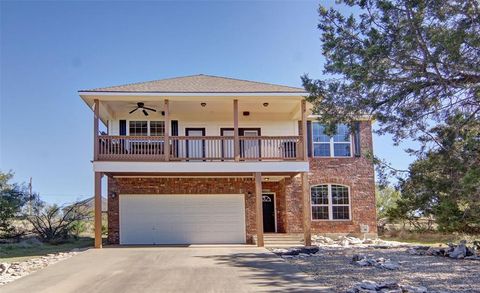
(55, 224)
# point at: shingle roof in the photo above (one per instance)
(200, 84)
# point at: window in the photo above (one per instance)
(157, 128)
(339, 145)
(138, 128)
(145, 128)
(330, 202)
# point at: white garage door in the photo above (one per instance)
(182, 218)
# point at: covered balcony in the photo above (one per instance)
(199, 129)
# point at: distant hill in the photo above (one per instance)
(90, 203)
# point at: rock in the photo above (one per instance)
(389, 285)
(303, 254)
(345, 243)
(279, 250)
(292, 251)
(363, 263)
(413, 289)
(368, 241)
(390, 265)
(4, 268)
(354, 240)
(460, 251)
(309, 249)
(357, 257)
(369, 285)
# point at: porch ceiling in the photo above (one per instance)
(216, 108)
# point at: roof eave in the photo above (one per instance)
(173, 94)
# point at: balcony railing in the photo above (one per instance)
(199, 148)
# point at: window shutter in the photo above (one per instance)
(356, 139)
(174, 131)
(123, 127)
(174, 127)
(309, 138)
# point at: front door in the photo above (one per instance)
(195, 147)
(268, 203)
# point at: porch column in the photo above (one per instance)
(304, 151)
(96, 115)
(236, 139)
(98, 209)
(306, 210)
(166, 143)
(259, 208)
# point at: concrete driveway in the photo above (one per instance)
(168, 269)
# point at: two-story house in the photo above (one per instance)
(206, 159)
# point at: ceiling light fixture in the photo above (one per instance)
(203, 104)
(265, 104)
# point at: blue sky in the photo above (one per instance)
(49, 50)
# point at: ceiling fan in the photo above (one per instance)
(141, 105)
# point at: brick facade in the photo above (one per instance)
(357, 173)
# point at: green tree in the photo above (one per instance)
(445, 182)
(386, 199)
(13, 197)
(409, 63)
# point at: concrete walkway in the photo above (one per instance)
(168, 269)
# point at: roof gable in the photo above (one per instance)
(200, 84)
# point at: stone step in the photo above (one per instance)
(281, 240)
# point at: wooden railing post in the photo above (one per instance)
(236, 140)
(304, 151)
(96, 115)
(166, 143)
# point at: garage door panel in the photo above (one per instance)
(182, 219)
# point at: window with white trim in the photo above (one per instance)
(330, 202)
(138, 128)
(338, 145)
(146, 128)
(157, 128)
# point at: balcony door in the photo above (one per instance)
(249, 148)
(195, 147)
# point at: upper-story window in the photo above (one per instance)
(157, 128)
(144, 128)
(330, 202)
(338, 145)
(138, 128)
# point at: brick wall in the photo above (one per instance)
(357, 173)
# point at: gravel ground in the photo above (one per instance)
(332, 266)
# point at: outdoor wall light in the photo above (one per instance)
(163, 113)
(113, 195)
(246, 113)
(203, 104)
(265, 104)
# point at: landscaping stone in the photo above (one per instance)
(309, 249)
(365, 261)
(460, 251)
(15, 270)
(389, 287)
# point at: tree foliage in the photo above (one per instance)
(409, 63)
(445, 183)
(54, 224)
(13, 198)
(386, 200)
(414, 67)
